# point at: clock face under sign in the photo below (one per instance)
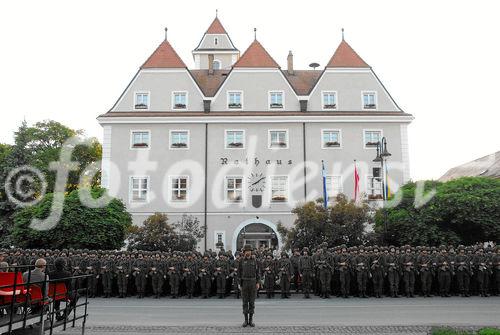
(256, 182)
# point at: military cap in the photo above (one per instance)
(247, 247)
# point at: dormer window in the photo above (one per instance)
(369, 100)
(234, 100)
(329, 100)
(141, 100)
(179, 100)
(276, 100)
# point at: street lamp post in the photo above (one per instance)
(382, 155)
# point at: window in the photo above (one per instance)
(329, 100)
(276, 99)
(369, 100)
(372, 137)
(374, 188)
(141, 101)
(234, 189)
(234, 100)
(278, 139)
(180, 100)
(139, 189)
(179, 139)
(216, 65)
(279, 188)
(179, 188)
(216, 40)
(235, 139)
(333, 186)
(219, 239)
(330, 139)
(140, 139)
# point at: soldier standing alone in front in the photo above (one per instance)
(249, 281)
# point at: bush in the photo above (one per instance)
(449, 331)
(489, 331)
(80, 227)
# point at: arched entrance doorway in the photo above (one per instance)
(256, 232)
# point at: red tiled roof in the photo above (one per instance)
(345, 56)
(209, 83)
(164, 57)
(303, 81)
(216, 28)
(256, 56)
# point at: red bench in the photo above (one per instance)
(7, 293)
(58, 291)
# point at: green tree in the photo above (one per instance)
(342, 223)
(79, 227)
(157, 233)
(464, 210)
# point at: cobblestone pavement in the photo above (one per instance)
(186, 330)
(294, 316)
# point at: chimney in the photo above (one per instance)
(210, 64)
(290, 62)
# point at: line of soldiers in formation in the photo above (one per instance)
(342, 271)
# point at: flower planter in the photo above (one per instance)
(332, 144)
(375, 197)
(278, 144)
(180, 106)
(141, 106)
(235, 145)
(278, 198)
(179, 145)
(276, 105)
(370, 106)
(140, 145)
(334, 106)
(234, 105)
(371, 144)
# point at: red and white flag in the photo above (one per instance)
(356, 182)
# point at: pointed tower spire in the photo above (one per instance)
(345, 56)
(342, 34)
(256, 56)
(215, 47)
(164, 57)
(166, 34)
(255, 34)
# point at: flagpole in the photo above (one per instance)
(325, 195)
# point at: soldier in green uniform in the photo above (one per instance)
(285, 274)
(445, 270)
(424, 263)
(324, 270)
(306, 266)
(122, 274)
(220, 273)
(189, 273)
(408, 266)
(377, 265)
(361, 267)
(392, 269)
(342, 264)
(249, 282)
(463, 271)
(205, 275)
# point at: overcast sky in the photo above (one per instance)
(70, 60)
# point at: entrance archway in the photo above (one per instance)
(256, 232)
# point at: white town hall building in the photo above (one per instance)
(238, 142)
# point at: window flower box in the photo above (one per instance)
(236, 199)
(141, 106)
(279, 198)
(371, 144)
(219, 245)
(180, 197)
(370, 106)
(332, 144)
(276, 105)
(180, 106)
(375, 197)
(331, 106)
(278, 144)
(179, 145)
(235, 145)
(140, 145)
(234, 105)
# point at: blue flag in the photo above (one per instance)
(325, 194)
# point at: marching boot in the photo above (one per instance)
(250, 321)
(245, 323)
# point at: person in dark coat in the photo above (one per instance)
(64, 276)
(249, 282)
